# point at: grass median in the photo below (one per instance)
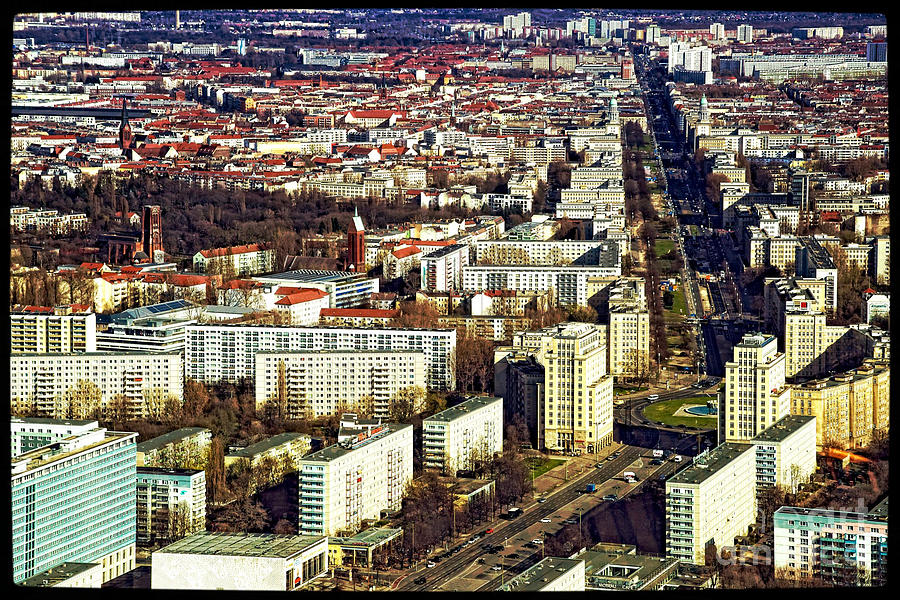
(662, 412)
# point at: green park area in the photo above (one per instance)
(662, 412)
(621, 390)
(662, 246)
(540, 465)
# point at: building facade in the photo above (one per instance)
(171, 503)
(227, 352)
(464, 434)
(355, 480)
(74, 501)
(37, 329)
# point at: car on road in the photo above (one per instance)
(430, 564)
(420, 581)
(676, 458)
(656, 461)
(610, 457)
(537, 541)
(512, 556)
(653, 397)
(488, 531)
(546, 520)
(610, 497)
(541, 500)
(496, 568)
(480, 561)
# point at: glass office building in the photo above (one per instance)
(73, 500)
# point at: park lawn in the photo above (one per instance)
(672, 318)
(545, 465)
(679, 303)
(661, 412)
(662, 246)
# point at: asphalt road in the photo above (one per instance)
(449, 568)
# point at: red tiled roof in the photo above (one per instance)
(404, 252)
(307, 295)
(216, 252)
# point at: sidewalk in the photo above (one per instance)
(574, 467)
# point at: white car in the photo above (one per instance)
(496, 568)
(545, 520)
(430, 564)
(653, 397)
(677, 458)
(537, 541)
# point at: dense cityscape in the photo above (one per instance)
(449, 300)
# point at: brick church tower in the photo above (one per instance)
(151, 240)
(125, 135)
(356, 243)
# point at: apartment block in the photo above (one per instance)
(325, 382)
(288, 447)
(73, 500)
(812, 260)
(441, 270)
(65, 328)
(786, 453)
(711, 501)
(850, 408)
(628, 331)
(240, 561)
(171, 503)
(29, 433)
(576, 414)
(355, 480)
(237, 260)
(881, 260)
(838, 546)
(179, 448)
(47, 382)
(227, 352)
(458, 437)
(345, 289)
(755, 396)
(567, 283)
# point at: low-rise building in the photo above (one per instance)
(551, 574)
(68, 575)
(619, 567)
(177, 449)
(240, 561)
(361, 549)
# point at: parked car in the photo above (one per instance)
(537, 541)
(480, 561)
(545, 520)
(541, 500)
(420, 581)
(656, 461)
(430, 564)
(610, 497)
(496, 568)
(676, 458)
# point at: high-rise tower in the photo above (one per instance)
(356, 243)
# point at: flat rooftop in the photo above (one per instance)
(620, 567)
(310, 275)
(705, 466)
(783, 428)
(338, 450)
(880, 511)
(170, 438)
(372, 537)
(242, 544)
(39, 457)
(58, 574)
(45, 421)
(537, 577)
(166, 472)
(464, 408)
(267, 444)
(824, 513)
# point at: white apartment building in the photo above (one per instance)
(171, 503)
(441, 270)
(355, 480)
(325, 382)
(42, 381)
(755, 394)
(227, 352)
(550, 252)
(457, 437)
(240, 260)
(628, 330)
(71, 328)
(29, 433)
(881, 261)
(745, 34)
(809, 343)
(786, 453)
(817, 542)
(576, 410)
(713, 500)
